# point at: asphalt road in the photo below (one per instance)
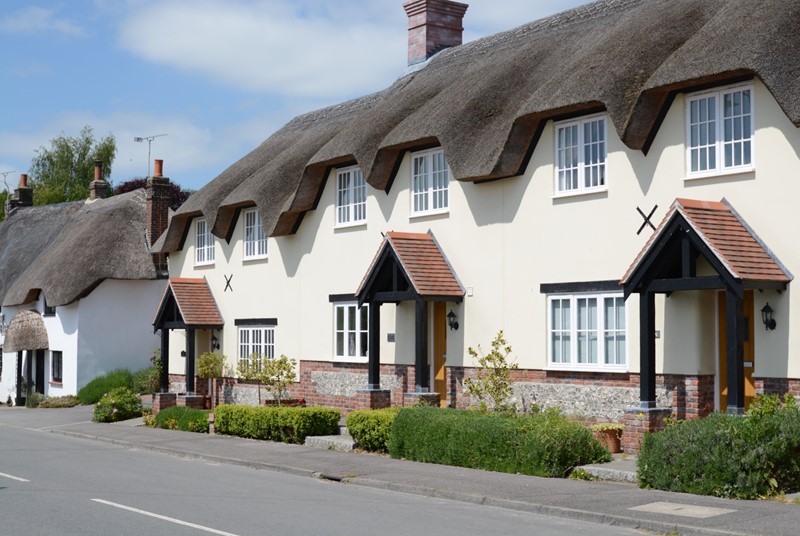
(53, 484)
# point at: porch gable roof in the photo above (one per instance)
(188, 303)
(732, 247)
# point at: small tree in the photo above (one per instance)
(492, 385)
(210, 365)
(277, 375)
(250, 370)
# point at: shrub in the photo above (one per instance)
(276, 423)
(95, 389)
(33, 400)
(148, 380)
(183, 418)
(67, 401)
(371, 429)
(492, 386)
(118, 405)
(727, 455)
(541, 444)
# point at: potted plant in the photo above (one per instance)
(609, 434)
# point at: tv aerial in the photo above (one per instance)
(149, 140)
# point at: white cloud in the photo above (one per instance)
(305, 49)
(37, 20)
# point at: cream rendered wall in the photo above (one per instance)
(505, 238)
(115, 327)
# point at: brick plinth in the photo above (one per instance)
(639, 421)
(163, 401)
(373, 398)
(429, 399)
(191, 401)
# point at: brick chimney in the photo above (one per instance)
(433, 25)
(157, 218)
(98, 189)
(22, 197)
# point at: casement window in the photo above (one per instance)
(204, 243)
(587, 331)
(430, 183)
(581, 155)
(351, 336)
(255, 242)
(49, 310)
(57, 366)
(256, 340)
(351, 197)
(719, 137)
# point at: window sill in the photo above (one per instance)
(416, 215)
(57, 384)
(350, 360)
(351, 225)
(560, 367)
(719, 174)
(579, 193)
(203, 264)
(259, 258)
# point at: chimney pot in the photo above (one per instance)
(158, 170)
(98, 170)
(23, 180)
(433, 25)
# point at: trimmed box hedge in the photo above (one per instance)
(371, 428)
(286, 424)
(744, 457)
(183, 418)
(541, 444)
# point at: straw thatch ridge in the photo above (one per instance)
(26, 332)
(485, 102)
(66, 250)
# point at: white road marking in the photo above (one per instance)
(12, 477)
(164, 518)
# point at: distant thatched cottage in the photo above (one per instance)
(78, 284)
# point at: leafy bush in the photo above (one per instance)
(95, 389)
(148, 380)
(67, 401)
(371, 429)
(492, 385)
(183, 418)
(118, 404)
(727, 455)
(33, 400)
(276, 423)
(541, 444)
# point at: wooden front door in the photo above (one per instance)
(748, 351)
(439, 351)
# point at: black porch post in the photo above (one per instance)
(421, 346)
(189, 361)
(374, 346)
(647, 349)
(29, 372)
(734, 335)
(164, 360)
(18, 401)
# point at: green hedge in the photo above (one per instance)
(725, 455)
(287, 424)
(183, 418)
(371, 429)
(95, 389)
(541, 444)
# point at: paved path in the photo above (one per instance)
(601, 502)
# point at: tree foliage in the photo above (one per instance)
(64, 171)
(492, 385)
(276, 374)
(177, 195)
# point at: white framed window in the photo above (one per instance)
(587, 331)
(581, 155)
(351, 197)
(56, 366)
(203, 244)
(430, 183)
(351, 331)
(719, 131)
(255, 242)
(256, 340)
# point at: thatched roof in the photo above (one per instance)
(485, 102)
(66, 250)
(26, 332)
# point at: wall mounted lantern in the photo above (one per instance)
(451, 320)
(214, 342)
(766, 317)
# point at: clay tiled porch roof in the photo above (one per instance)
(423, 263)
(734, 244)
(196, 307)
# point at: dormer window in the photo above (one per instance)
(351, 197)
(255, 242)
(204, 244)
(719, 137)
(430, 183)
(581, 155)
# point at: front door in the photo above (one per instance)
(439, 351)
(40, 371)
(748, 351)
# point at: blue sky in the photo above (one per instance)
(217, 76)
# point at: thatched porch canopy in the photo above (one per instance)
(26, 332)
